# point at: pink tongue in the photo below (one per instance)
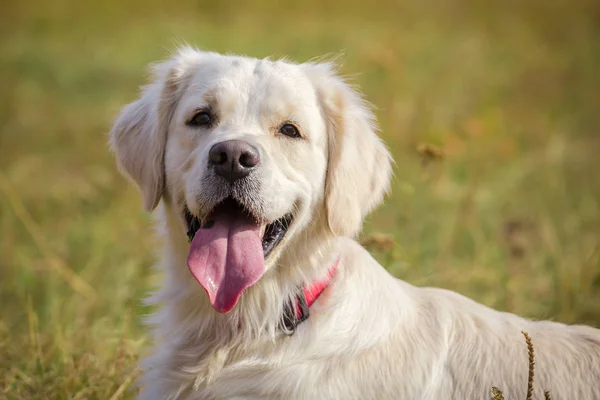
(227, 257)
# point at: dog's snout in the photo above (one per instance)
(233, 159)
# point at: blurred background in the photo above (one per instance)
(491, 109)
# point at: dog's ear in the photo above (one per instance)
(139, 134)
(359, 164)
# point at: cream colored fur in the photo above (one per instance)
(369, 336)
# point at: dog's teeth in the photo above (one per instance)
(261, 233)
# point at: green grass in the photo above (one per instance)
(510, 216)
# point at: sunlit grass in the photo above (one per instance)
(505, 210)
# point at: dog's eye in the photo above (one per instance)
(203, 118)
(289, 130)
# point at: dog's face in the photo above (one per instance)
(248, 151)
(248, 135)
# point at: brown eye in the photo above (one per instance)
(289, 130)
(203, 119)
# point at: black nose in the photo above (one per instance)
(233, 159)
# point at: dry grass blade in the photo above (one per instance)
(78, 284)
(531, 365)
(121, 389)
(497, 394)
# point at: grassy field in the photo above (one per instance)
(492, 113)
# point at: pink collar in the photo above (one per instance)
(304, 300)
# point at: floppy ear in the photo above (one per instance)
(139, 134)
(359, 165)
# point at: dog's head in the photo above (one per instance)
(248, 152)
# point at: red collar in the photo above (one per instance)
(297, 312)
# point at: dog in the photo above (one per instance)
(261, 172)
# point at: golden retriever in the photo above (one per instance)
(266, 169)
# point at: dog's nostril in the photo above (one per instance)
(249, 159)
(217, 157)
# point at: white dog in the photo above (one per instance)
(268, 168)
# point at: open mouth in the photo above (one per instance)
(228, 250)
(270, 234)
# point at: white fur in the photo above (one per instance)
(369, 336)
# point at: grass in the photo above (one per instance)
(497, 393)
(491, 111)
